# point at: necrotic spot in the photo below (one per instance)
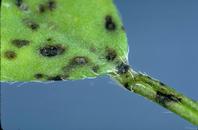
(56, 78)
(10, 55)
(122, 68)
(31, 24)
(41, 8)
(18, 2)
(95, 68)
(52, 50)
(164, 98)
(21, 5)
(51, 5)
(110, 54)
(79, 60)
(39, 76)
(109, 24)
(20, 42)
(127, 86)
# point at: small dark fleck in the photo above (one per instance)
(56, 78)
(164, 98)
(18, 2)
(79, 60)
(38, 76)
(10, 55)
(111, 54)
(21, 5)
(95, 68)
(162, 84)
(109, 24)
(31, 24)
(122, 68)
(49, 39)
(42, 8)
(52, 50)
(20, 42)
(123, 28)
(127, 86)
(51, 5)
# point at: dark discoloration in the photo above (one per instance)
(56, 78)
(164, 98)
(51, 5)
(42, 8)
(31, 24)
(49, 39)
(162, 84)
(123, 28)
(10, 55)
(21, 5)
(122, 68)
(20, 42)
(18, 3)
(95, 68)
(109, 23)
(110, 54)
(39, 76)
(52, 50)
(127, 86)
(79, 60)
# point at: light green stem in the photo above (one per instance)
(159, 93)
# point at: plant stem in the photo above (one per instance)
(159, 93)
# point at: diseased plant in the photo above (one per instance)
(44, 40)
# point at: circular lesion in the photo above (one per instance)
(10, 55)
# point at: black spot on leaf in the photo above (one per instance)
(42, 8)
(79, 60)
(20, 42)
(110, 54)
(109, 23)
(95, 68)
(122, 68)
(10, 55)
(39, 76)
(31, 24)
(56, 78)
(164, 98)
(18, 2)
(52, 50)
(127, 86)
(51, 5)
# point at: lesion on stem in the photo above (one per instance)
(159, 93)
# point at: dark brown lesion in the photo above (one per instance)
(21, 5)
(20, 42)
(42, 8)
(56, 78)
(111, 54)
(95, 68)
(52, 50)
(122, 68)
(18, 2)
(165, 98)
(123, 28)
(79, 60)
(49, 5)
(127, 86)
(31, 24)
(10, 55)
(39, 76)
(109, 23)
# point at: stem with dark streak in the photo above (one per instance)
(159, 93)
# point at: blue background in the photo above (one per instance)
(163, 40)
